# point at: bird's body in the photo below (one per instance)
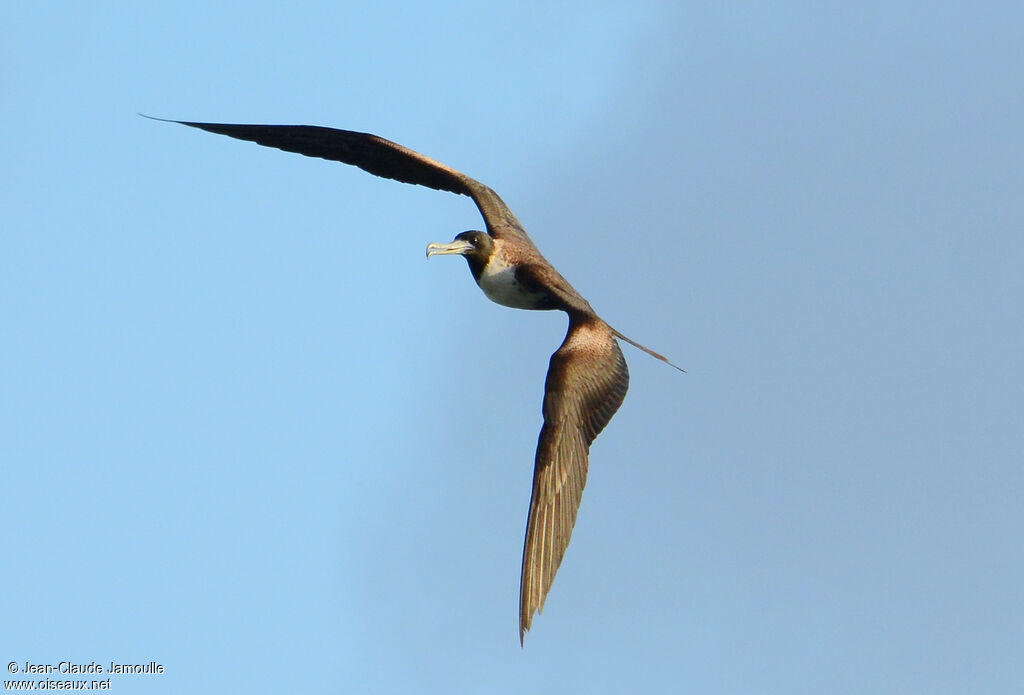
(515, 275)
(587, 377)
(500, 281)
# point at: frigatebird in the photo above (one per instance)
(587, 376)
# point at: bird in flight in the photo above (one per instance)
(587, 376)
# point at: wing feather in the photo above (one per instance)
(586, 383)
(377, 156)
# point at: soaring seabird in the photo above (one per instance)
(587, 376)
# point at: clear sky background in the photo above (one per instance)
(247, 431)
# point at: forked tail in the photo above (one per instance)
(649, 351)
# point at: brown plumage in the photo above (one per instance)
(586, 383)
(587, 377)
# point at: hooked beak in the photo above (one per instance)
(460, 248)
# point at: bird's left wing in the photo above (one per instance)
(378, 156)
(586, 383)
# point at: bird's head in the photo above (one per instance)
(476, 246)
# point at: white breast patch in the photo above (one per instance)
(498, 281)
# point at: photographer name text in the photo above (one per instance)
(92, 668)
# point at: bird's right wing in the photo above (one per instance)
(585, 386)
(377, 156)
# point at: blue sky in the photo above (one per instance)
(248, 432)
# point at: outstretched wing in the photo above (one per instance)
(379, 157)
(586, 383)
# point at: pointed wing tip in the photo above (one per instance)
(526, 615)
(157, 118)
(209, 127)
(190, 124)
